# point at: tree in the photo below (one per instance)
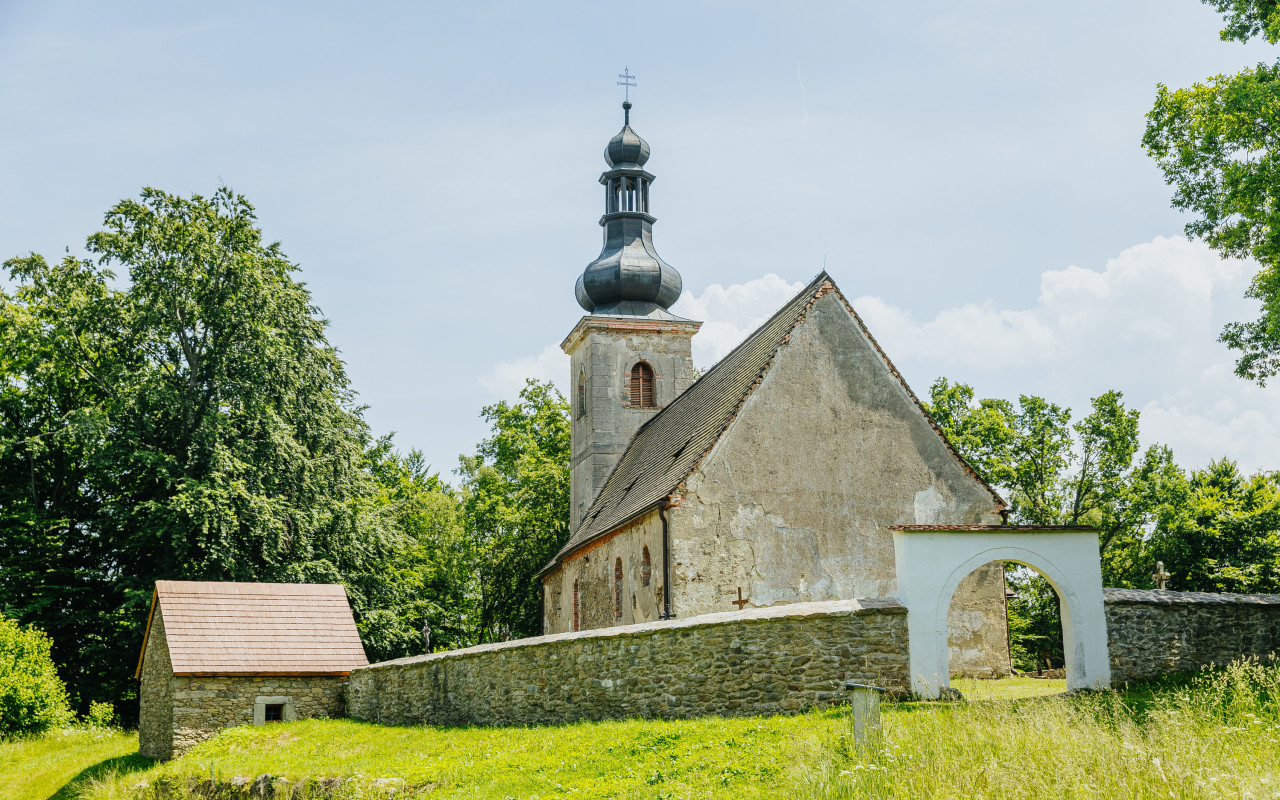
(193, 423)
(1217, 144)
(516, 496)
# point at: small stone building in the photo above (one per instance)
(216, 655)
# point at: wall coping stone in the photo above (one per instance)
(1168, 597)
(827, 608)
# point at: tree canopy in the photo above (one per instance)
(1216, 143)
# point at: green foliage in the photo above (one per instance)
(1215, 530)
(62, 764)
(516, 497)
(1216, 144)
(190, 423)
(1249, 18)
(432, 578)
(1035, 621)
(32, 696)
(100, 715)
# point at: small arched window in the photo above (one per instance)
(642, 386)
(575, 605)
(582, 394)
(617, 590)
(646, 567)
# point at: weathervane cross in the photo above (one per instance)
(628, 80)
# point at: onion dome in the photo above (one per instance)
(628, 278)
(626, 149)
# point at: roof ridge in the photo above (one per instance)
(916, 400)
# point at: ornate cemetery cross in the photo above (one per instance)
(1160, 576)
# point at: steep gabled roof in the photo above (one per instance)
(670, 446)
(214, 628)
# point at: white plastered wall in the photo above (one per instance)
(931, 564)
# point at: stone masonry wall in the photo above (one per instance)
(594, 567)
(155, 695)
(757, 661)
(1154, 632)
(203, 706)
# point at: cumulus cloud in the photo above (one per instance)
(730, 314)
(506, 378)
(1146, 323)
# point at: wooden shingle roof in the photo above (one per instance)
(215, 628)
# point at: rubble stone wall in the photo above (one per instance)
(203, 706)
(1154, 632)
(739, 663)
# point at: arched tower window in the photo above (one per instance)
(575, 605)
(617, 590)
(582, 394)
(646, 567)
(642, 386)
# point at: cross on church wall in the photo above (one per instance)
(741, 601)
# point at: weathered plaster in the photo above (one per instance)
(792, 503)
(593, 568)
(932, 565)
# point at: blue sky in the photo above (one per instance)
(971, 173)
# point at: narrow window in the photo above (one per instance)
(274, 712)
(646, 567)
(617, 590)
(575, 605)
(642, 386)
(582, 394)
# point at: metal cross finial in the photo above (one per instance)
(1160, 576)
(628, 80)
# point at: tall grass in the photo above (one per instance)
(1217, 736)
(1214, 735)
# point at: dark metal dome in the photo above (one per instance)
(626, 149)
(628, 278)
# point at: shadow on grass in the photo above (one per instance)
(120, 765)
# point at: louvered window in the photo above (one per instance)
(582, 394)
(642, 386)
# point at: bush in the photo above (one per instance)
(101, 715)
(32, 696)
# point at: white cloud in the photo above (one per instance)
(1146, 323)
(730, 314)
(506, 378)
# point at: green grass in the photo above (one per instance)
(57, 764)
(1216, 735)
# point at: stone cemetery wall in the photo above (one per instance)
(1154, 632)
(757, 661)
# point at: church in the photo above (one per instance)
(774, 478)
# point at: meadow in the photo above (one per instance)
(1213, 735)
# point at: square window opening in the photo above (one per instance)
(274, 712)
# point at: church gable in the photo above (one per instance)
(831, 447)
(667, 450)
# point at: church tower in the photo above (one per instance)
(630, 356)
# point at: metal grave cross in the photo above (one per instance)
(741, 601)
(1160, 576)
(628, 80)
